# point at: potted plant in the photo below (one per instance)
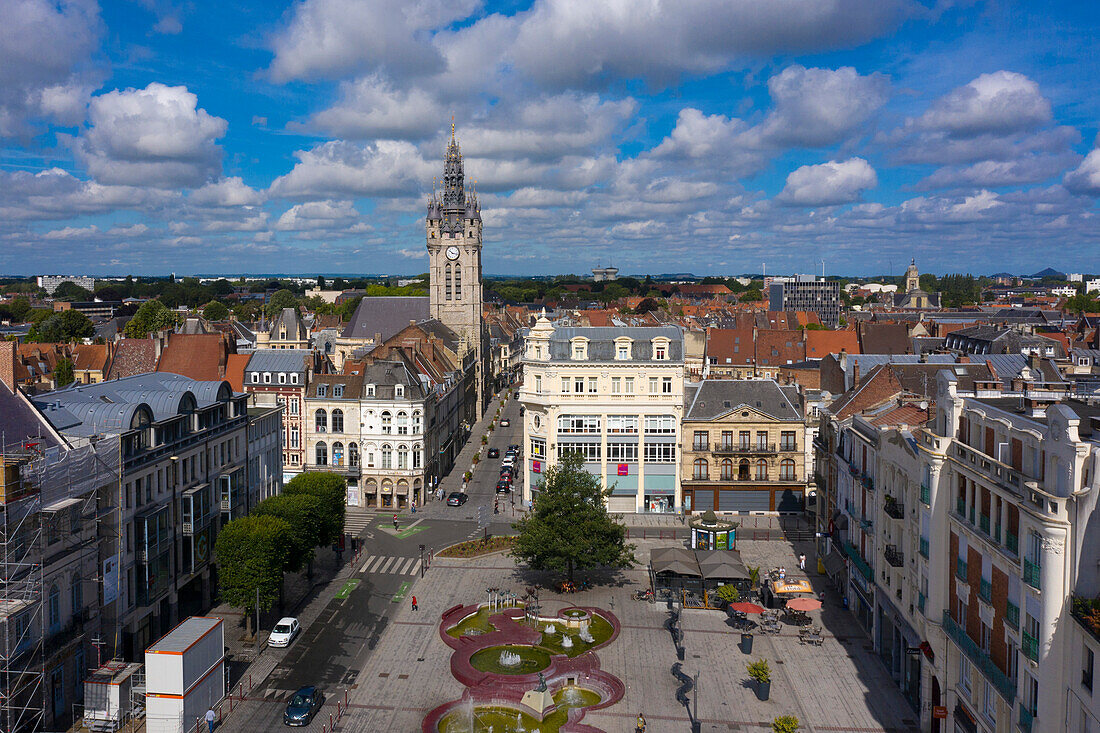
(754, 576)
(761, 674)
(785, 724)
(477, 457)
(467, 476)
(727, 593)
(484, 439)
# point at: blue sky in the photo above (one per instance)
(712, 136)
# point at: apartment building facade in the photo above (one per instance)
(280, 377)
(744, 447)
(614, 395)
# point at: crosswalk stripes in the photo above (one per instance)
(356, 522)
(387, 564)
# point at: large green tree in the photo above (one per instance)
(568, 527)
(331, 489)
(251, 553)
(151, 317)
(279, 300)
(305, 514)
(62, 327)
(215, 311)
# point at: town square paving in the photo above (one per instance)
(839, 686)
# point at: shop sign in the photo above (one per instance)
(624, 469)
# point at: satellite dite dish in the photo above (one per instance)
(924, 404)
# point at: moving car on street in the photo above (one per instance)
(505, 422)
(303, 706)
(494, 453)
(284, 632)
(457, 498)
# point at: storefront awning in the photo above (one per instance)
(834, 564)
(791, 586)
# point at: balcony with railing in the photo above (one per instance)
(1031, 574)
(1030, 646)
(894, 556)
(920, 602)
(960, 506)
(868, 481)
(979, 658)
(1026, 719)
(759, 448)
(1012, 543)
(894, 508)
(983, 524)
(985, 590)
(862, 565)
(925, 495)
(960, 569)
(924, 547)
(1012, 615)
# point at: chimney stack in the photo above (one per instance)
(855, 374)
(7, 363)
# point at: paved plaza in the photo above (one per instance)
(840, 686)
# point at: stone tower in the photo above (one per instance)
(912, 277)
(454, 257)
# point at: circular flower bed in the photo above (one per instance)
(476, 548)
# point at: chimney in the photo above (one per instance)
(964, 359)
(855, 374)
(1034, 361)
(7, 363)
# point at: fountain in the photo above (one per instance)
(550, 629)
(586, 636)
(566, 641)
(510, 659)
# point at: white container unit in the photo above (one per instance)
(107, 699)
(185, 675)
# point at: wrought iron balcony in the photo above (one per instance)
(1012, 615)
(983, 524)
(985, 590)
(925, 494)
(1030, 646)
(960, 569)
(762, 448)
(894, 556)
(894, 509)
(924, 547)
(1012, 543)
(1031, 574)
(980, 659)
(1026, 719)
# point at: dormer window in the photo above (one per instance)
(660, 349)
(293, 378)
(322, 390)
(622, 349)
(338, 390)
(255, 377)
(267, 377)
(370, 390)
(399, 390)
(579, 350)
(282, 378)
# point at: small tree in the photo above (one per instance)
(759, 671)
(568, 527)
(729, 593)
(151, 317)
(63, 373)
(785, 724)
(754, 575)
(251, 553)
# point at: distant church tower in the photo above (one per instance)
(454, 256)
(912, 277)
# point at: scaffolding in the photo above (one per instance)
(50, 517)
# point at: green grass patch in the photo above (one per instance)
(476, 621)
(478, 547)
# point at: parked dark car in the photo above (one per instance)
(303, 705)
(514, 447)
(504, 488)
(456, 498)
(494, 453)
(506, 471)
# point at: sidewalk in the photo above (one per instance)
(463, 462)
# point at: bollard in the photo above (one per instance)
(240, 691)
(345, 698)
(331, 725)
(250, 683)
(198, 725)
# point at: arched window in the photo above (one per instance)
(320, 421)
(337, 421)
(450, 284)
(337, 454)
(402, 423)
(387, 422)
(743, 470)
(416, 422)
(353, 455)
(416, 456)
(458, 281)
(387, 456)
(700, 472)
(761, 470)
(321, 454)
(727, 469)
(402, 456)
(786, 469)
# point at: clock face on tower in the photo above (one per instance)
(452, 253)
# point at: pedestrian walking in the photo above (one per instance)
(640, 727)
(210, 720)
(802, 561)
(394, 522)
(414, 604)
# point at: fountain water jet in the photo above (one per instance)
(566, 641)
(510, 659)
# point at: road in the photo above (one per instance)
(337, 647)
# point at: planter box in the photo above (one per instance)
(763, 690)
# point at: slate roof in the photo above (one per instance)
(109, 407)
(21, 422)
(713, 398)
(386, 316)
(352, 383)
(884, 338)
(601, 342)
(288, 320)
(133, 356)
(279, 360)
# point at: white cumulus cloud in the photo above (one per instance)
(827, 184)
(1001, 102)
(1086, 177)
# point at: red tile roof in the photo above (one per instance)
(200, 356)
(133, 356)
(234, 370)
(822, 343)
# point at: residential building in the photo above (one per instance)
(183, 446)
(807, 293)
(287, 331)
(50, 283)
(280, 377)
(744, 447)
(614, 395)
(265, 460)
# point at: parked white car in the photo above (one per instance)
(284, 632)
